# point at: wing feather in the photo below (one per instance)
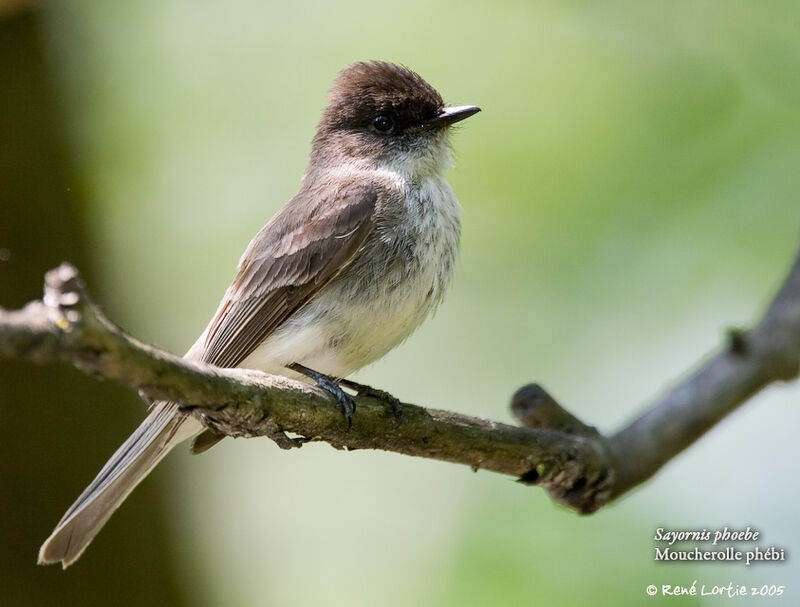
(297, 253)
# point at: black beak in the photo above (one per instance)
(451, 115)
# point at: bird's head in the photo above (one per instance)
(385, 115)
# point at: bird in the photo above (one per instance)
(341, 274)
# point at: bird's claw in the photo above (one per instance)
(390, 401)
(348, 406)
(332, 387)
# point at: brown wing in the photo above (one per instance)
(299, 251)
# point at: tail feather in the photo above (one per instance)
(164, 428)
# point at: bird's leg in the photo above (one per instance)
(387, 399)
(332, 387)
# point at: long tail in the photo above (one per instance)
(164, 428)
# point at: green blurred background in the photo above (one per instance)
(630, 190)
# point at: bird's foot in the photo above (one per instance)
(332, 387)
(391, 402)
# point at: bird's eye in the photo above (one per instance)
(382, 123)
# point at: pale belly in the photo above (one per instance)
(338, 338)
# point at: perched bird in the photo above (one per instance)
(343, 273)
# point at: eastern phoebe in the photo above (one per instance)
(343, 273)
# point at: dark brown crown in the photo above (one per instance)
(368, 88)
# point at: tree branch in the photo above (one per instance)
(578, 466)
